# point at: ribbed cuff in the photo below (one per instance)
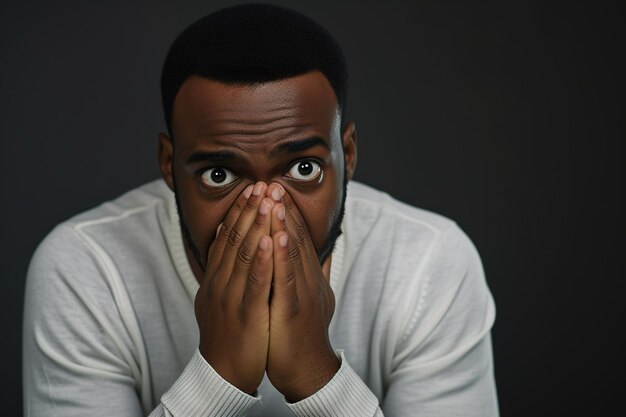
(346, 395)
(200, 391)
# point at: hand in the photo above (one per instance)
(300, 358)
(232, 303)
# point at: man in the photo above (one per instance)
(228, 288)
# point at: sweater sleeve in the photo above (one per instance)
(442, 363)
(200, 391)
(80, 352)
(345, 395)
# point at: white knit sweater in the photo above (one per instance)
(110, 330)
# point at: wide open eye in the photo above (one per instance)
(218, 177)
(304, 170)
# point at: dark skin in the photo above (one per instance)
(259, 174)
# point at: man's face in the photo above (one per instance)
(229, 136)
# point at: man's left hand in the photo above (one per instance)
(301, 359)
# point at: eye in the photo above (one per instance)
(218, 177)
(304, 170)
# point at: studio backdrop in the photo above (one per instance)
(506, 117)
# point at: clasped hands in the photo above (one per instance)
(265, 302)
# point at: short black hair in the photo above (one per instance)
(251, 44)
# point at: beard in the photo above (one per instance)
(335, 229)
(322, 253)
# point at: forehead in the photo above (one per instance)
(211, 110)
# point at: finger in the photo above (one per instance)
(214, 255)
(248, 248)
(259, 279)
(284, 297)
(278, 225)
(278, 218)
(238, 232)
(302, 255)
(240, 228)
(275, 192)
(297, 227)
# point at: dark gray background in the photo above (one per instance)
(505, 116)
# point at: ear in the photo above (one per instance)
(166, 155)
(348, 139)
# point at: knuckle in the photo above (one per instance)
(259, 220)
(289, 279)
(227, 226)
(223, 237)
(301, 228)
(255, 279)
(239, 205)
(298, 220)
(294, 255)
(246, 252)
(249, 205)
(299, 236)
(235, 237)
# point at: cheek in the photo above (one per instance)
(202, 217)
(321, 208)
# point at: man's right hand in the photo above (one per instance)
(232, 307)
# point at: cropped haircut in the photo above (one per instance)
(252, 44)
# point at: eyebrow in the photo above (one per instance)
(299, 145)
(287, 147)
(211, 157)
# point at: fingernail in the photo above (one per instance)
(263, 243)
(247, 191)
(266, 205)
(282, 241)
(219, 227)
(281, 213)
(257, 189)
(276, 194)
